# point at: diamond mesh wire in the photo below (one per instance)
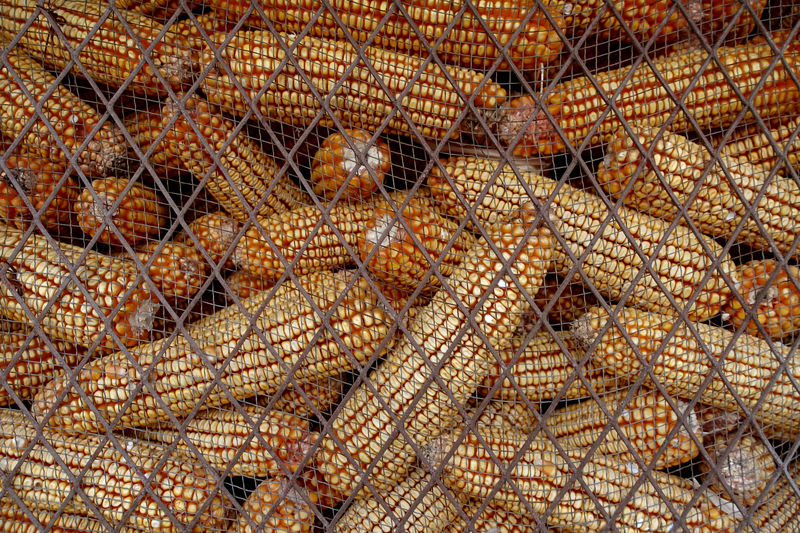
(420, 266)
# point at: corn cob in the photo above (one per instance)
(307, 397)
(465, 44)
(740, 469)
(778, 310)
(573, 301)
(209, 22)
(510, 413)
(642, 19)
(646, 420)
(611, 262)
(71, 118)
(276, 506)
(778, 509)
(717, 209)
(109, 481)
(718, 15)
(243, 169)
(181, 376)
(432, 103)
(432, 509)
(243, 285)
(139, 213)
(460, 359)
(14, 520)
(294, 233)
(36, 275)
(541, 370)
(291, 230)
(338, 165)
(751, 144)
(214, 233)
(177, 270)
(158, 10)
(35, 178)
(280, 441)
(577, 105)
(748, 366)
(144, 126)
(390, 250)
(540, 472)
(27, 364)
(494, 519)
(105, 48)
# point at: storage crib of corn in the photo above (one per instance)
(426, 266)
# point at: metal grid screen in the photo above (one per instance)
(412, 265)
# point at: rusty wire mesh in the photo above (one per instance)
(399, 266)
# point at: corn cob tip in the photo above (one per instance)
(582, 330)
(142, 320)
(432, 454)
(107, 156)
(513, 117)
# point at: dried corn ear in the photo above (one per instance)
(611, 263)
(538, 473)
(540, 369)
(158, 10)
(136, 211)
(495, 519)
(349, 162)
(280, 441)
(638, 20)
(578, 105)
(432, 103)
(753, 145)
(647, 421)
(245, 179)
(747, 364)
(310, 396)
(521, 26)
(731, 16)
(46, 184)
(417, 503)
(210, 23)
(510, 413)
(176, 269)
(259, 348)
(103, 42)
(778, 509)
(27, 363)
(184, 492)
(213, 234)
(568, 303)
(778, 308)
(389, 245)
(440, 343)
(740, 469)
(145, 126)
(34, 275)
(277, 506)
(14, 519)
(72, 119)
(243, 285)
(302, 236)
(723, 190)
